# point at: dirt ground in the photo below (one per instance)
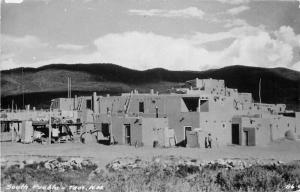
(283, 150)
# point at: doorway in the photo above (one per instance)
(246, 133)
(186, 128)
(105, 129)
(249, 135)
(127, 134)
(235, 134)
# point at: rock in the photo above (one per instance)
(29, 161)
(87, 162)
(21, 165)
(47, 165)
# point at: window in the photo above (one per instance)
(5, 127)
(141, 107)
(89, 104)
(191, 103)
(204, 106)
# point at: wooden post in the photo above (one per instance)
(50, 123)
(50, 126)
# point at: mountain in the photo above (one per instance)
(279, 85)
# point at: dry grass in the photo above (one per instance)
(155, 177)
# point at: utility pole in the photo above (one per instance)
(50, 123)
(23, 88)
(69, 87)
(259, 90)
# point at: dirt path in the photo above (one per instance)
(283, 150)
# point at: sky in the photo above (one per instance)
(144, 34)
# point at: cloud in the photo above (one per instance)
(287, 34)
(234, 2)
(252, 46)
(237, 10)
(27, 41)
(70, 47)
(229, 23)
(17, 50)
(296, 66)
(190, 12)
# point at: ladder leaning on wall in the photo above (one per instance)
(127, 103)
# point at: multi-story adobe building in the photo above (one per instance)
(203, 105)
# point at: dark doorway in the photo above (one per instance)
(141, 107)
(249, 136)
(106, 134)
(185, 134)
(105, 129)
(235, 133)
(89, 104)
(246, 133)
(127, 134)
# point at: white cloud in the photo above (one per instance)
(237, 10)
(27, 41)
(19, 47)
(287, 34)
(258, 50)
(234, 2)
(190, 12)
(296, 66)
(70, 47)
(252, 46)
(229, 23)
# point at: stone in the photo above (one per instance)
(29, 161)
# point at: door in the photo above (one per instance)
(105, 129)
(246, 133)
(127, 134)
(235, 134)
(187, 128)
(249, 133)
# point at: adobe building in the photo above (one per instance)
(203, 105)
(183, 117)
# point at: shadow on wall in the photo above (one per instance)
(181, 143)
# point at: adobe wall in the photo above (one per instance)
(153, 129)
(218, 120)
(268, 129)
(297, 123)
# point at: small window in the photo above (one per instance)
(141, 107)
(204, 107)
(89, 104)
(191, 103)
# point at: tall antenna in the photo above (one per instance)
(23, 97)
(259, 90)
(69, 87)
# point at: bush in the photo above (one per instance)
(155, 177)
